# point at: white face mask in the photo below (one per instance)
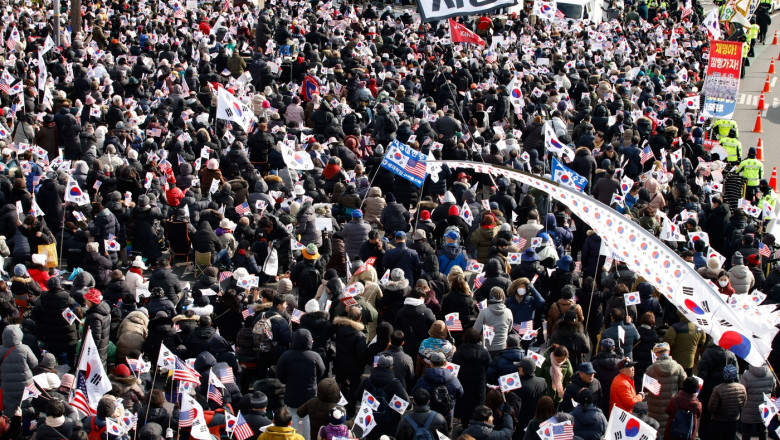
(723, 283)
(521, 291)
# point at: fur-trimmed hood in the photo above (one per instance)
(344, 321)
(396, 285)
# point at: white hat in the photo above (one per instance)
(139, 263)
(39, 259)
(226, 223)
(212, 164)
(311, 306)
(298, 190)
(239, 273)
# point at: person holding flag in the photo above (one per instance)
(670, 375)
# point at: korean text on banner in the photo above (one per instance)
(721, 84)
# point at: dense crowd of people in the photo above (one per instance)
(314, 290)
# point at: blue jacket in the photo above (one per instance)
(590, 424)
(630, 338)
(524, 311)
(451, 255)
(433, 377)
(503, 364)
(403, 258)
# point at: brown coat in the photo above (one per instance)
(557, 310)
(206, 176)
(373, 205)
(131, 333)
(318, 408)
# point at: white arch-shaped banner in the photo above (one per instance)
(746, 336)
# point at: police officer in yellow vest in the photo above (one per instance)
(733, 147)
(768, 196)
(752, 35)
(752, 170)
(724, 126)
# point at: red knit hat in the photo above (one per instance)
(454, 210)
(425, 215)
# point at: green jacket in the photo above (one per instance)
(544, 372)
(684, 339)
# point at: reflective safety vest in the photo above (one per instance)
(769, 198)
(752, 170)
(724, 126)
(766, 2)
(733, 148)
(752, 32)
(746, 47)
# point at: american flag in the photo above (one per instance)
(651, 384)
(184, 373)
(491, 57)
(165, 166)
(764, 250)
(186, 418)
(226, 375)
(647, 154)
(178, 11)
(562, 431)
(243, 209)
(478, 280)
(5, 88)
(415, 167)
(524, 327)
(78, 397)
(453, 324)
(559, 15)
(296, 316)
(247, 312)
(225, 275)
(138, 365)
(215, 395)
(242, 431)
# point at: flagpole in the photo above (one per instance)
(149, 403)
(62, 238)
(371, 184)
(465, 122)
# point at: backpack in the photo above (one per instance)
(96, 433)
(262, 334)
(682, 424)
(421, 432)
(383, 414)
(441, 401)
(310, 280)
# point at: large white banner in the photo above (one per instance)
(646, 255)
(431, 10)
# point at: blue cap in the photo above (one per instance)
(400, 234)
(357, 214)
(587, 368)
(452, 235)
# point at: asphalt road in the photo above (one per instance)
(747, 101)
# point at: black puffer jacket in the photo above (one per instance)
(98, 319)
(414, 319)
(168, 281)
(300, 369)
(198, 341)
(52, 328)
(319, 326)
(382, 382)
(350, 346)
